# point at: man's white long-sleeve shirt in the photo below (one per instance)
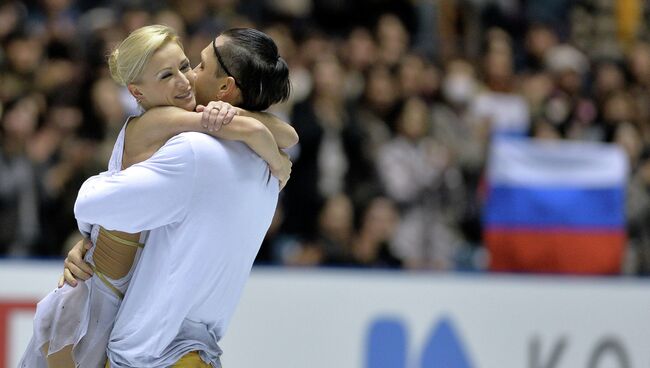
(208, 204)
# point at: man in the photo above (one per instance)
(207, 204)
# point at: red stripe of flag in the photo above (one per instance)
(574, 252)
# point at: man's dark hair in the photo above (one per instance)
(252, 59)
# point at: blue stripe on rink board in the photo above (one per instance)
(386, 344)
(445, 348)
(555, 207)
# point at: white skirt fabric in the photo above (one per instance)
(80, 316)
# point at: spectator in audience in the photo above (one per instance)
(412, 167)
(638, 62)
(358, 53)
(393, 39)
(64, 161)
(409, 75)
(55, 19)
(378, 106)
(19, 225)
(568, 110)
(23, 54)
(336, 231)
(499, 109)
(539, 39)
(465, 140)
(609, 77)
(452, 121)
(12, 15)
(332, 244)
(372, 246)
(638, 214)
(330, 161)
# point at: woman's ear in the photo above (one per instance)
(135, 92)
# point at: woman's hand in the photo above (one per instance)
(216, 115)
(282, 169)
(74, 266)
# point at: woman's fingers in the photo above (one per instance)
(205, 118)
(283, 173)
(221, 117)
(283, 183)
(214, 119)
(217, 114)
(77, 271)
(67, 275)
(76, 262)
(232, 111)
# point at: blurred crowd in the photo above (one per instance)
(395, 102)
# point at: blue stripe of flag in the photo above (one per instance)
(548, 207)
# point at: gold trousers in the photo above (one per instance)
(189, 360)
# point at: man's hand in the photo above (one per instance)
(74, 266)
(282, 170)
(216, 115)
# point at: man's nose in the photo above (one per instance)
(191, 75)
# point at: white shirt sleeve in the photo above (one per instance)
(145, 196)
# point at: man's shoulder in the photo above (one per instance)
(191, 141)
(202, 139)
(192, 138)
(181, 148)
(200, 142)
(204, 146)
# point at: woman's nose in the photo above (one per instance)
(184, 79)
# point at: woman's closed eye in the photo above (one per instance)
(185, 66)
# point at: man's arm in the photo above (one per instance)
(145, 196)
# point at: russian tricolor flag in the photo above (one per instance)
(555, 206)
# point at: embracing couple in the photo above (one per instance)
(173, 226)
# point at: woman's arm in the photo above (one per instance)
(157, 125)
(283, 133)
(166, 127)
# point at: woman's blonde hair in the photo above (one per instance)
(129, 58)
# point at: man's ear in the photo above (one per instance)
(227, 89)
(135, 92)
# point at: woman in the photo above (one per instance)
(72, 325)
